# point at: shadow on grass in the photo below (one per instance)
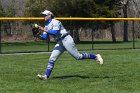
(102, 42)
(79, 76)
(70, 76)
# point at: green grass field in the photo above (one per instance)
(83, 46)
(119, 74)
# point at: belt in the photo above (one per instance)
(62, 37)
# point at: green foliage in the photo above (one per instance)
(10, 11)
(74, 8)
(111, 7)
(77, 8)
(35, 7)
(1, 10)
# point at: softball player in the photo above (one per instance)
(64, 42)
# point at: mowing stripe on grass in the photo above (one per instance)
(65, 52)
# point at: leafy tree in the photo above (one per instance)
(9, 11)
(89, 8)
(34, 7)
(109, 9)
(1, 10)
(78, 8)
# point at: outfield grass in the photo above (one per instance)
(83, 46)
(119, 74)
(25, 47)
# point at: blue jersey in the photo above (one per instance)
(55, 29)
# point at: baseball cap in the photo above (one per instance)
(47, 12)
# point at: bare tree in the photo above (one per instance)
(125, 13)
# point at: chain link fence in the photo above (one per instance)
(16, 35)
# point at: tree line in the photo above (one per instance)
(75, 8)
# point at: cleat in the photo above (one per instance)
(99, 59)
(42, 77)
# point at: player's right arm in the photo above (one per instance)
(55, 28)
(44, 36)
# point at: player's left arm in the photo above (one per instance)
(37, 32)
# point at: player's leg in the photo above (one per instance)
(71, 48)
(58, 50)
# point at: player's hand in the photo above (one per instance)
(42, 29)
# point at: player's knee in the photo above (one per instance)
(52, 59)
(54, 56)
